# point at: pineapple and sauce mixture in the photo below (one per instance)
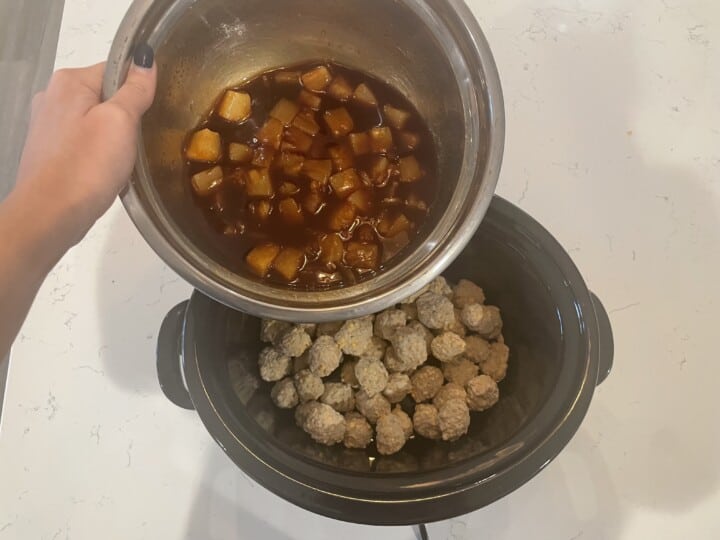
(318, 175)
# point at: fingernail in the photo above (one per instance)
(144, 56)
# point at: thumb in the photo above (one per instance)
(138, 92)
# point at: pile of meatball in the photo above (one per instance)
(419, 368)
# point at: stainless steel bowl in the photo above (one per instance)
(432, 50)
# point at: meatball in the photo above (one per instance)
(324, 356)
(328, 328)
(398, 386)
(453, 419)
(410, 347)
(457, 325)
(448, 392)
(303, 410)
(412, 299)
(388, 321)
(325, 425)
(482, 393)
(389, 435)
(485, 320)
(358, 432)
(376, 350)
(294, 342)
(447, 346)
(347, 373)
(273, 364)
(426, 421)
(372, 376)
(460, 371)
(339, 396)
(466, 293)
(427, 334)
(393, 363)
(405, 421)
(354, 336)
(373, 407)
(284, 395)
(309, 386)
(435, 311)
(439, 285)
(426, 382)
(270, 330)
(477, 349)
(497, 362)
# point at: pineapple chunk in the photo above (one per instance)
(290, 212)
(409, 140)
(361, 200)
(317, 79)
(285, 111)
(271, 133)
(297, 140)
(364, 95)
(397, 118)
(381, 140)
(338, 121)
(389, 227)
(288, 189)
(380, 170)
(289, 262)
(331, 249)
(287, 77)
(410, 170)
(318, 170)
(345, 183)
(260, 210)
(263, 156)
(305, 121)
(342, 157)
(360, 143)
(313, 202)
(205, 146)
(291, 164)
(240, 153)
(235, 106)
(310, 100)
(362, 256)
(261, 258)
(206, 182)
(259, 183)
(340, 89)
(342, 217)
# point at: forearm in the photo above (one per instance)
(34, 234)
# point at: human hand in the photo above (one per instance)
(80, 152)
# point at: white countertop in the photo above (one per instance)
(613, 113)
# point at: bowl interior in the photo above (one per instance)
(540, 320)
(205, 46)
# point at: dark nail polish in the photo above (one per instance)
(144, 56)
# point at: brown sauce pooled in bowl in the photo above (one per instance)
(317, 174)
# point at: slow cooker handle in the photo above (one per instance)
(606, 344)
(169, 357)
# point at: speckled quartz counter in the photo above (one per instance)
(613, 113)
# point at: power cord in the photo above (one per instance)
(422, 532)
